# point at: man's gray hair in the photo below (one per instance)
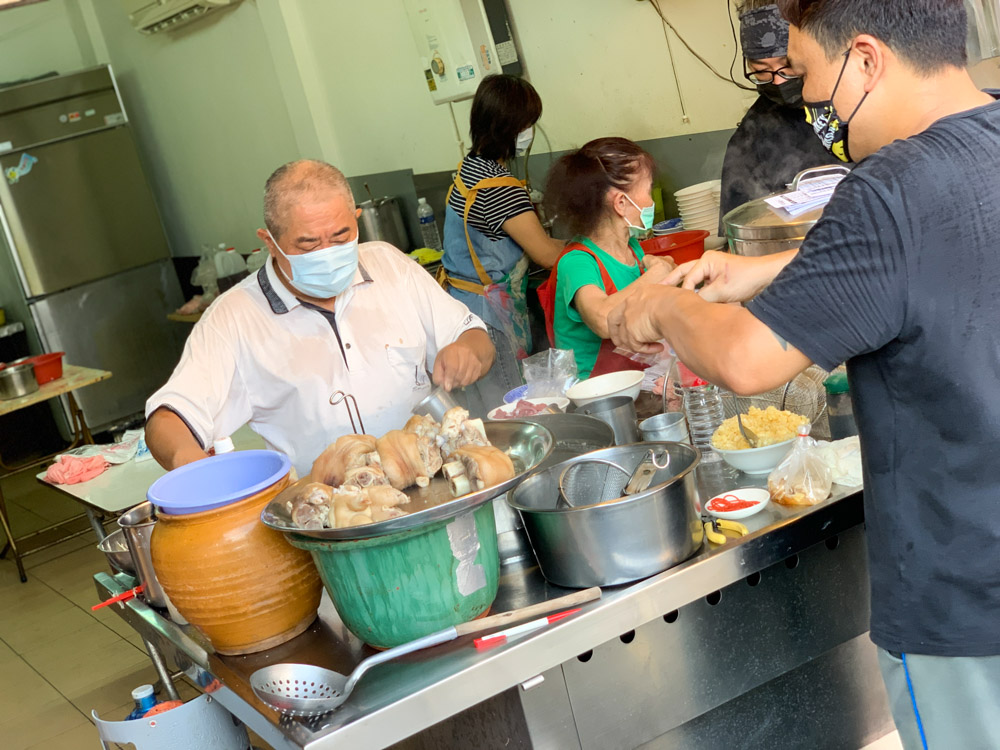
(290, 181)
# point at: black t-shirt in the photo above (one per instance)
(901, 278)
(770, 147)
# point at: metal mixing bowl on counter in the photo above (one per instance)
(615, 542)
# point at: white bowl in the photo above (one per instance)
(753, 494)
(701, 200)
(624, 383)
(711, 186)
(504, 412)
(704, 214)
(757, 460)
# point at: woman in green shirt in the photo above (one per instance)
(602, 192)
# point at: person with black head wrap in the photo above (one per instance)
(774, 142)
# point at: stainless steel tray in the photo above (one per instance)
(527, 443)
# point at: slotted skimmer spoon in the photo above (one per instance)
(306, 690)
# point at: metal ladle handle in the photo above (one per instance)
(339, 397)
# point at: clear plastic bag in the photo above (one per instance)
(549, 373)
(802, 478)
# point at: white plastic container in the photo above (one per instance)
(256, 260)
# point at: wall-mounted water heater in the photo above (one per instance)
(459, 42)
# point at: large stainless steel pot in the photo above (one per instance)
(614, 543)
(755, 229)
(573, 435)
(381, 220)
(17, 381)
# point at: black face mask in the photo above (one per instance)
(787, 94)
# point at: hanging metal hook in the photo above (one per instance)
(339, 397)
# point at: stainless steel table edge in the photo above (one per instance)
(622, 609)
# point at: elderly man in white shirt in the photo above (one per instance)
(323, 315)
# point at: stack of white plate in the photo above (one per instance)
(699, 205)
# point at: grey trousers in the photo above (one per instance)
(943, 702)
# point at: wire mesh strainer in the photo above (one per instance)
(804, 395)
(591, 481)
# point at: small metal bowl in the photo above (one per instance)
(17, 381)
(117, 552)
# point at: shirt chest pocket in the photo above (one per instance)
(408, 364)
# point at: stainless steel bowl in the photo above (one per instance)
(17, 381)
(116, 549)
(615, 543)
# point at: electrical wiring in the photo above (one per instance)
(698, 57)
(736, 50)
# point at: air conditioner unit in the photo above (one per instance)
(152, 16)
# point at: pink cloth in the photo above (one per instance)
(73, 470)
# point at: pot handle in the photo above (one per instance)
(812, 172)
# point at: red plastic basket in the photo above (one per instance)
(48, 367)
(681, 246)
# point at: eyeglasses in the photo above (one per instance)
(767, 76)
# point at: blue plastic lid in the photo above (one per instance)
(217, 481)
(515, 394)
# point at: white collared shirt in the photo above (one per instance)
(261, 356)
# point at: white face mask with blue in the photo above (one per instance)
(524, 140)
(645, 216)
(323, 273)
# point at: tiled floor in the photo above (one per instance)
(59, 660)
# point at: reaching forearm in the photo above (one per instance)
(594, 306)
(170, 441)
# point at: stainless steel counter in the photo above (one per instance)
(403, 698)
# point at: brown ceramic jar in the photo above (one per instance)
(238, 581)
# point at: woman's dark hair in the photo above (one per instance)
(927, 34)
(503, 106)
(579, 181)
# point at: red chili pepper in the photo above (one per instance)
(729, 503)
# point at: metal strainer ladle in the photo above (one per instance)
(591, 481)
(307, 690)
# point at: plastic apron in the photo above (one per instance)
(490, 278)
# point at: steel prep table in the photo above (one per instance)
(758, 643)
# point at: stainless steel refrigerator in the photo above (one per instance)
(85, 239)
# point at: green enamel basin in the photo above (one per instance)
(393, 589)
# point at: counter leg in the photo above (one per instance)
(96, 523)
(11, 544)
(161, 670)
(80, 428)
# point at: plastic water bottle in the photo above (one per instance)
(702, 407)
(704, 411)
(256, 260)
(144, 700)
(429, 234)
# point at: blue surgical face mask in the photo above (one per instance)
(645, 216)
(323, 273)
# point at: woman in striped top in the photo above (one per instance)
(491, 229)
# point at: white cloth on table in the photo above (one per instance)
(261, 356)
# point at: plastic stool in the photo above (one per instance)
(200, 724)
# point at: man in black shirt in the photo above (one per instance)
(773, 143)
(901, 279)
